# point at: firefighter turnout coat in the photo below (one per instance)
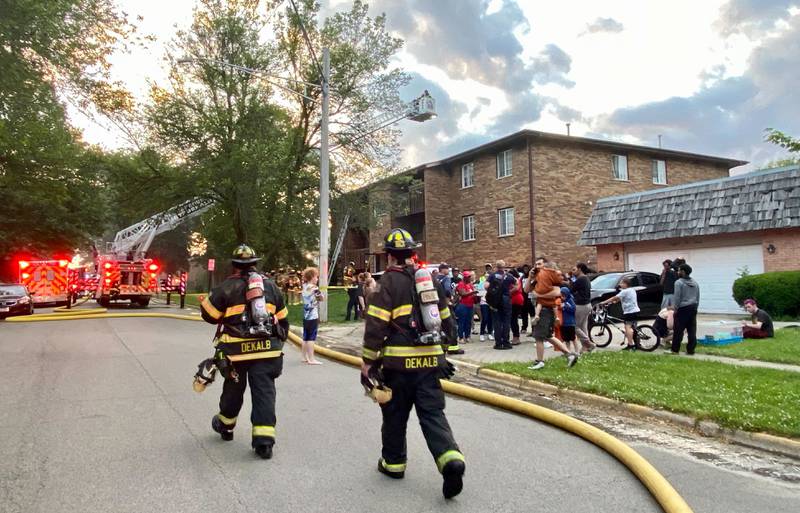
(226, 304)
(390, 332)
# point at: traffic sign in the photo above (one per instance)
(211, 263)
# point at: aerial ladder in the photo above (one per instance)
(124, 271)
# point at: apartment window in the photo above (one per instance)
(505, 220)
(619, 164)
(467, 175)
(660, 172)
(468, 228)
(504, 164)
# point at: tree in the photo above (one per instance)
(784, 141)
(252, 145)
(47, 48)
(230, 140)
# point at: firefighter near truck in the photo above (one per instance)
(46, 280)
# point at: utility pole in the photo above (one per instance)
(324, 186)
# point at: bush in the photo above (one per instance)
(778, 293)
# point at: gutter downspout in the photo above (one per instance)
(530, 198)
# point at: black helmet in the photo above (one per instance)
(244, 254)
(399, 240)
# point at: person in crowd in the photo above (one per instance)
(761, 323)
(361, 295)
(370, 286)
(668, 279)
(527, 304)
(500, 288)
(446, 280)
(350, 282)
(687, 299)
(630, 310)
(517, 305)
(568, 320)
(311, 297)
(466, 294)
(486, 312)
(582, 294)
(546, 290)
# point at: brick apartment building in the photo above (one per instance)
(475, 207)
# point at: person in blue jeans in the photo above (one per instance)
(486, 312)
(502, 316)
(466, 293)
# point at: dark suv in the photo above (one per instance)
(649, 291)
(15, 300)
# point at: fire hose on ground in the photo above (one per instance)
(663, 492)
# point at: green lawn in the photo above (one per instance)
(751, 399)
(784, 348)
(336, 308)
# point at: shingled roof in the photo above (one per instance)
(754, 201)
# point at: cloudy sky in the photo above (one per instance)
(709, 76)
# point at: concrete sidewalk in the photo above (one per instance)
(349, 337)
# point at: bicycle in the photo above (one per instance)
(644, 338)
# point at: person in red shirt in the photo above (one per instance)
(467, 295)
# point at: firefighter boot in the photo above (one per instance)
(264, 451)
(393, 471)
(452, 473)
(225, 432)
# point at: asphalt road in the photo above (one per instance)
(99, 416)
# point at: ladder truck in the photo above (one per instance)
(124, 271)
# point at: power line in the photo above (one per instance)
(308, 40)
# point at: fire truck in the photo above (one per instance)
(123, 270)
(133, 280)
(46, 280)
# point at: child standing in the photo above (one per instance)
(311, 298)
(630, 310)
(568, 320)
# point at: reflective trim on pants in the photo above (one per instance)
(447, 457)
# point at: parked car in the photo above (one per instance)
(15, 300)
(649, 291)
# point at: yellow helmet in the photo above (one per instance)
(399, 239)
(244, 254)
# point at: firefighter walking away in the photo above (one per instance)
(252, 326)
(408, 328)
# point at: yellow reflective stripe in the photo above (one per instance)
(264, 431)
(393, 467)
(210, 310)
(412, 350)
(370, 354)
(271, 308)
(444, 313)
(454, 347)
(380, 313)
(401, 311)
(282, 314)
(225, 338)
(234, 310)
(254, 356)
(225, 420)
(447, 457)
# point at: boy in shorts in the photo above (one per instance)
(311, 298)
(630, 310)
(568, 320)
(546, 290)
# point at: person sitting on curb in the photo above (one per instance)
(761, 325)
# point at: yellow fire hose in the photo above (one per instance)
(659, 487)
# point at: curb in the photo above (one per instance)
(763, 441)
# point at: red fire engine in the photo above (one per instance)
(134, 280)
(46, 280)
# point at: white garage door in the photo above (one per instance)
(715, 269)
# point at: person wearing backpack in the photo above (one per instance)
(498, 297)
